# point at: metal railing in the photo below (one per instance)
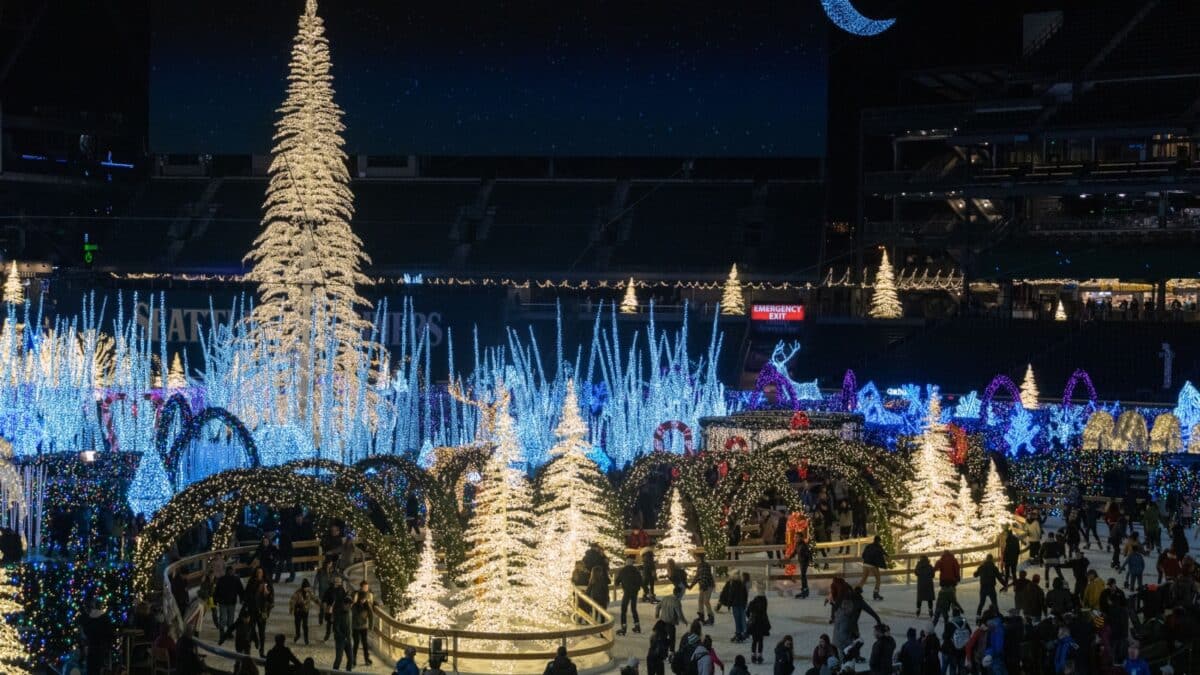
(193, 567)
(595, 637)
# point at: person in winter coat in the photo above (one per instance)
(1152, 524)
(1035, 600)
(1064, 650)
(205, 591)
(953, 647)
(280, 660)
(758, 624)
(739, 666)
(662, 646)
(949, 572)
(301, 602)
(739, 596)
(874, 558)
(259, 600)
(561, 665)
(676, 577)
(339, 618)
(408, 664)
(690, 653)
(1134, 663)
(882, 651)
(988, 574)
(670, 614)
(1134, 567)
(704, 579)
(804, 556)
(360, 624)
(229, 589)
(637, 539)
(931, 663)
(1059, 600)
(630, 581)
(995, 645)
(947, 602)
(712, 653)
(1033, 539)
(1093, 590)
(924, 572)
(597, 588)
(322, 581)
(769, 528)
(649, 574)
(1011, 558)
(785, 656)
(823, 651)
(912, 654)
(244, 633)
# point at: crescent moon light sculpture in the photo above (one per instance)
(844, 15)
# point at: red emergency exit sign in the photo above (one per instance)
(777, 313)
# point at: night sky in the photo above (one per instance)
(576, 78)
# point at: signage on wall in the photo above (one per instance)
(777, 313)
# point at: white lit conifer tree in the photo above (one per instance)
(176, 377)
(629, 304)
(573, 510)
(1060, 313)
(732, 301)
(426, 592)
(501, 580)
(14, 292)
(676, 544)
(885, 303)
(307, 261)
(933, 499)
(13, 657)
(1029, 390)
(994, 514)
(966, 514)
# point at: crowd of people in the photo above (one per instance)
(1065, 616)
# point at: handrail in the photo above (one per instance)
(174, 614)
(391, 633)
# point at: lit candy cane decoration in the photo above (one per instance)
(674, 425)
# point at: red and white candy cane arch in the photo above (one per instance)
(674, 425)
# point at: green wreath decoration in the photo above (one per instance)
(444, 518)
(394, 556)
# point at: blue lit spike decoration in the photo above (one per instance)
(845, 16)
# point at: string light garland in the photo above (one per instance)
(441, 505)
(228, 491)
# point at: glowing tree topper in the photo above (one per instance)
(885, 303)
(426, 592)
(732, 301)
(629, 304)
(677, 543)
(307, 261)
(502, 580)
(14, 292)
(573, 511)
(1029, 390)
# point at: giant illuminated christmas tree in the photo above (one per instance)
(933, 500)
(307, 261)
(676, 544)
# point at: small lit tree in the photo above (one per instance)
(965, 514)
(1060, 313)
(676, 544)
(732, 302)
(885, 303)
(629, 304)
(994, 514)
(933, 499)
(573, 510)
(14, 292)
(426, 592)
(1029, 390)
(176, 377)
(501, 580)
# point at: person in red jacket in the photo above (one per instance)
(949, 573)
(637, 539)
